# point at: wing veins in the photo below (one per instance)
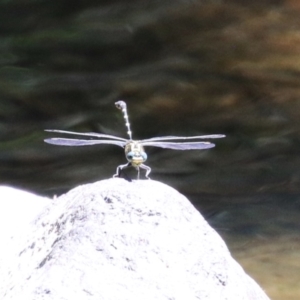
(166, 138)
(78, 142)
(180, 146)
(92, 134)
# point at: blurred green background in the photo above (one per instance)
(184, 68)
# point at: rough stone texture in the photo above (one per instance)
(17, 209)
(124, 240)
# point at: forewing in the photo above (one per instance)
(94, 134)
(166, 138)
(180, 146)
(76, 142)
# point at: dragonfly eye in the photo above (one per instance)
(144, 156)
(130, 155)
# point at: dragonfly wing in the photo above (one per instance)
(76, 142)
(94, 134)
(166, 138)
(180, 146)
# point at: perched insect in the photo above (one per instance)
(134, 150)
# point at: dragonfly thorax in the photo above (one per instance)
(134, 150)
(135, 153)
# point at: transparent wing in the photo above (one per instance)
(166, 138)
(76, 142)
(180, 146)
(94, 134)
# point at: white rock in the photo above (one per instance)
(119, 240)
(17, 209)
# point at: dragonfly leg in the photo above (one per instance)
(148, 170)
(120, 168)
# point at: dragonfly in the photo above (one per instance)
(134, 149)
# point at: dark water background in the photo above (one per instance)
(184, 68)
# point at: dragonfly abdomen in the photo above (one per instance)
(134, 150)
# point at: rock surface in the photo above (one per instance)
(17, 209)
(121, 240)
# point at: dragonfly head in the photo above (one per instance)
(135, 153)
